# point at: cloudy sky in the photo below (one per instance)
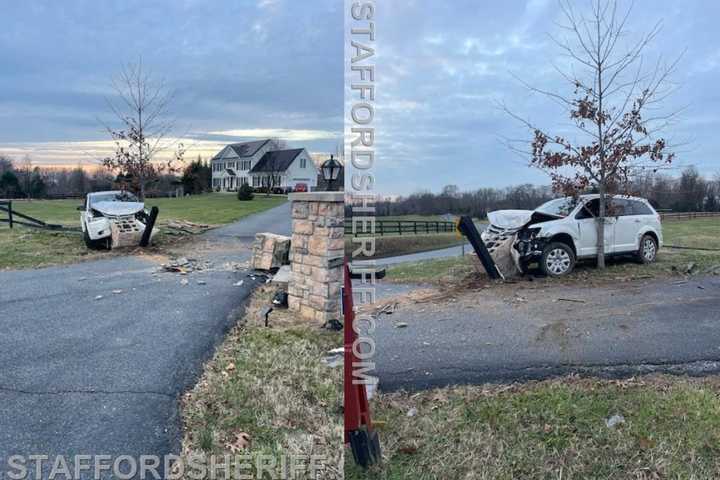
(240, 69)
(444, 66)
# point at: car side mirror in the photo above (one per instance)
(80, 208)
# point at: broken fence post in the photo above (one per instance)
(145, 240)
(467, 227)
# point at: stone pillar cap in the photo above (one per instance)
(317, 197)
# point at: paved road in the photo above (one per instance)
(87, 375)
(524, 331)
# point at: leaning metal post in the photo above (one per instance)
(467, 227)
(364, 441)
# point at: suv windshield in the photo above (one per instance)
(560, 207)
(113, 197)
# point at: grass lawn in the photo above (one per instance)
(552, 429)
(702, 233)
(389, 246)
(269, 384)
(24, 247)
(211, 208)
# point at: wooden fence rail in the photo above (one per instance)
(688, 215)
(28, 221)
(400, 227)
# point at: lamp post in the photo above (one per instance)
(330, 170)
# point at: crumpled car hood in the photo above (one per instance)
(517, 219)
(118, 209)
(510, 218)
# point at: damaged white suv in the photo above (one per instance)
(561, 231)
(112, 219)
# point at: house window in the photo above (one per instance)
(303, 162)
(256, 181)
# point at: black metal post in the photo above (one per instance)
(467, 228)
(10, 214)
(145, 240)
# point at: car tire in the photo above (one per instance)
(557, 259)
(90, 243)
(101, 244)
(647, 253)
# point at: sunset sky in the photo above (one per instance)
(240, 70)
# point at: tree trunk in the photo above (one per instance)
(601, 228)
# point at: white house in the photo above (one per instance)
(254, 163)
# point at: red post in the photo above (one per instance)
(359, 433)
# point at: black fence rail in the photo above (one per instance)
(16, 218)
(399, 227)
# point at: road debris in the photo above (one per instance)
(334, 358)
(99, 297)
(181, 227)
(117, 292)
(184, 281)
(401, 325)
(184, 265)
(201, 282)
(239, 283)
(614, 421)
(575, 300)
(270, 251)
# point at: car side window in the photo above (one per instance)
(640, 208)
(619, 207)
(591, 209)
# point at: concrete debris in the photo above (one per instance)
(614, 421)
(282, 276)
(334, 357)
(270, 251)
(179, 227)
(183, 265)
(126, 232)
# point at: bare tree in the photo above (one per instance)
(26, 169)
(613, 108)
(273, 167)
(142, 108)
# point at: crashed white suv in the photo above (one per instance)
(561, 231)
(112, 219)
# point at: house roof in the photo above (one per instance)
(276, 160)
(246, 149)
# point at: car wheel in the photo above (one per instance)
(90, 243)
(648, 249)
(557, 259)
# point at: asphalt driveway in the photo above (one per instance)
(94, 356)
(526, 331)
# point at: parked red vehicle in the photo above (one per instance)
(301, 187)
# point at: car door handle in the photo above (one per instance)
(637, 221)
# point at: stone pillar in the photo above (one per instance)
(316, 254)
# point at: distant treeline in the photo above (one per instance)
(691, 192)
(23, 180)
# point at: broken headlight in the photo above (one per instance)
(527, 244)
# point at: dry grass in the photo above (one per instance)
(702, 233)
(552, 429)
(270, 384)
(390, 246)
